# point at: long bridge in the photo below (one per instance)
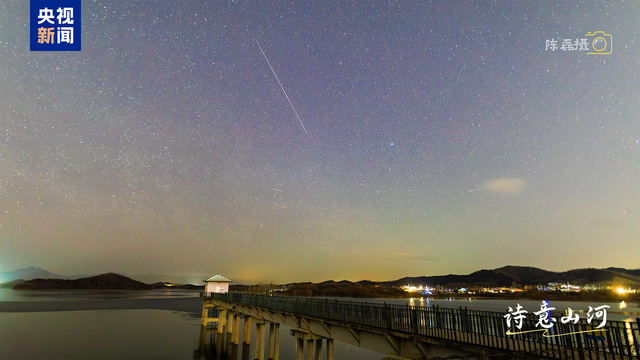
(409, 332)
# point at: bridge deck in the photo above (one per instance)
(487, 329)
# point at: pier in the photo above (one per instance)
(408, 332)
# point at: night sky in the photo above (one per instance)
(438, 138)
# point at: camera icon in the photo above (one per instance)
(601, 43)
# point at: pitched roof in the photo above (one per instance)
(218, 278)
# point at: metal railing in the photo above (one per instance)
(485, 328)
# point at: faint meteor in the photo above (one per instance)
(463, 66)
(169, 35)
(157, 243)
(504, 186)
(280, 206)
(279, 83)
(465, 159)
(275, 189)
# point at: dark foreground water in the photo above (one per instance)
(166, 325)
(123, 325)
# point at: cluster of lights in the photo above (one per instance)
(419, 289)
(625, 291)
(428, 290)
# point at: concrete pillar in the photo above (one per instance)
(246, 337)
(309, 349)
(219, 344)
(276, 344)
(256, 351)
(300, 349)
(271, 340)
(263, 332)
(236, 330)
(205, 313)
(222, 314)
(329, 349)
(230, 326)
(319, 349)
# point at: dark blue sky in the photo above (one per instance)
(441, 138)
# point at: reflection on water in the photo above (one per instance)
(98, 334)
(623, 305)
(214, 345)
(72, 295)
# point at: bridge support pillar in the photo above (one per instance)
(319, 349)
(276, 343)
(311, 338)
(230, 326)
(300, 349)
(236, 330)
(205, 313)
(309, 349)
(246, 337)
(256, 351)
(222, 315)
(219, 343)
(263, 332)
(271, 340)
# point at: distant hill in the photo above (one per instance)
(635, 272)
(27, 274)
(32, 272)
(108, 281)
(504, 276)
(35, 273)
(176, 279)
(10, 284)
(523, 275)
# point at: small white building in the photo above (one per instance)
(217, 284)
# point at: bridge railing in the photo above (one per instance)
(580, 340)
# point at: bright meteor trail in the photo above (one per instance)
(281, 87)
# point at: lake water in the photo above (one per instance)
(166, 325)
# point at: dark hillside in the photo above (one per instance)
(108, 281)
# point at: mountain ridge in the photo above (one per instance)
(499, 277)
(108, 281)
(525, 275)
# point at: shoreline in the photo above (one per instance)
(542, 296)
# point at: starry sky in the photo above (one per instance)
(432, 138)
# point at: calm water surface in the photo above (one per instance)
(71, 295)
(166, 334)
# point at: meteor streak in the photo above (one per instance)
(463, 66)
(279, 83)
